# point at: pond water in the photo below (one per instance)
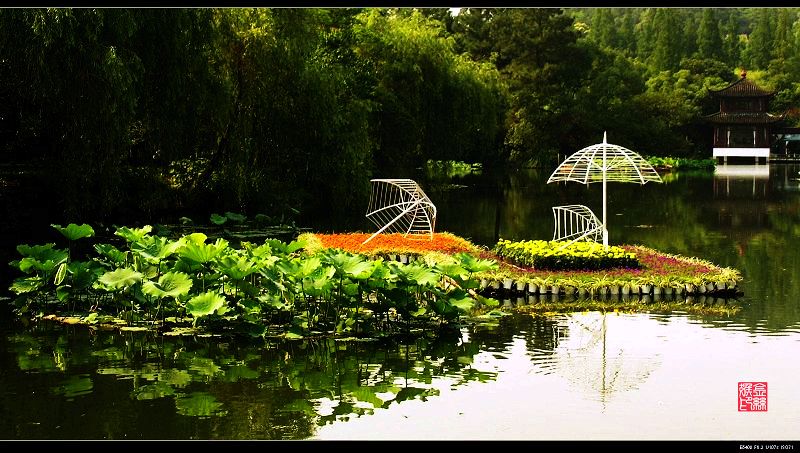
(570, 376)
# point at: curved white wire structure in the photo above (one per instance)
(604, 162)
(575, 222)
(400, 206)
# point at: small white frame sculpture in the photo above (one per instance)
(575, 222)
(400, 206)
(605, 162)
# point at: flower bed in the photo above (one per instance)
(657, 271)
(556, 255)
(388, 243)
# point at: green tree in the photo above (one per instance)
(783, 42)
(731, 42)
(74, 81)
(645, 34)
(604, 30)
(470, 29)
(709, 40)
(667, 48)
(430, 102)
(545, 67)
(761, 39)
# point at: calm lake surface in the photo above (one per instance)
(571, 376)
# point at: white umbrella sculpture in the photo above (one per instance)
(604, 162)
(401, 206)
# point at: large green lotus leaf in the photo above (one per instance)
(273, 301)
(204, 366)
(120, 278)
(473, 264)
(204, 304)
(451, 270)
(63, 292)
(295, 246)
(202, 253)
(217, 219)
(156, 248)
(261, 250)
(283, 248)
(84, 273)
(171, 284)
(112, 253)
(488, 301)
(444, 309)
(35, 251)
(236, 267)
(43, 253)
(133, 234)
(308, 266)
(197, 238)
(74, 386)
(367, 395)
(319, 283)
(240, 372)
(74, 232)
(277, 246)
(28, 264)
(234, 217)
(288, 267)
(250, 306)
(348, 265)
(175, 377)
(417, 275)
(461, 301)
(381, 272)
(26, 285)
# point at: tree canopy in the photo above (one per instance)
(262, 110)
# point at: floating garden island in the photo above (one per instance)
(538, 267)
(335, 285)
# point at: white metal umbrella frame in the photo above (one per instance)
(605, 162)
(400, 206)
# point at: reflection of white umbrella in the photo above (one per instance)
(591, 358)
(605, 162)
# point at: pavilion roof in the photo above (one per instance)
(743, 118)
(742, 88)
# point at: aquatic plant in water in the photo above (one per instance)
(273, 288)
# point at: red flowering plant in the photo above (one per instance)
(392, 243)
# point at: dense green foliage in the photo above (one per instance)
(557, 255)
(138, 111)
(682, 163)
(256, 287)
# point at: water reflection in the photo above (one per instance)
(598, 356)
(603, 376)
(220, 389)
(67, 382)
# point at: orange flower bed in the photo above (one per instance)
(393, 243)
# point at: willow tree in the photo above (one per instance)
(538, 54)
(430, 102)
(72, 78)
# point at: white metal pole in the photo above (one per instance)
(605, 229)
